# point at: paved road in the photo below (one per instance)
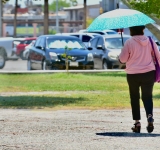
(20, 66)
(15, 65)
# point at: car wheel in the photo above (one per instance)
(44, 65)
(27, 54)
(22, 57)
(104, 65)
(2, 59)
(29, 65)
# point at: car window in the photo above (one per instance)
(37, 42)
(42, 42)
(100, 41)
(28, 41)
(54, 44)
(114, 43)
(93, 42)
(86, 38)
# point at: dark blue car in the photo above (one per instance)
(51, 51)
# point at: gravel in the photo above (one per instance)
(75, 130)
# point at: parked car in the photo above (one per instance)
(84, 37)
(103, 32)
(21, 44)
(49, 53)
(26, 51)
(158, 44)
(82, 31)
(106, 49)
(7, 50)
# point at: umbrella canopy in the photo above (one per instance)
(119, 19)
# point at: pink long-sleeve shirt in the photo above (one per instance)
(137, 54)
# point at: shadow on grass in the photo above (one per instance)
(127, 134)
(29, 102)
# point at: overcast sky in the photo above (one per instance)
(21, 2)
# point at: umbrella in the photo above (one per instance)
(119, 19)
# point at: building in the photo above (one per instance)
(108, 5)
(30, 20)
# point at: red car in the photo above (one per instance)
(21, 44)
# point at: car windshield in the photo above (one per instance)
(114, 43)
(72, 44)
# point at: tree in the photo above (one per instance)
(143, 6)
(61, 3)
(150, 7)
(15, 18)
(85, 13)
(46, 20)
(4, 1)
(89, 21)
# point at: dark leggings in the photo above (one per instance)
(145, 82)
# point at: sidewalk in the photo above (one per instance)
(75, 130)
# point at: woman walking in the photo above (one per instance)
(138, 55)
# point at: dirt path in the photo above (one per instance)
(75, 130)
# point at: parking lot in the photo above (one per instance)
(15, 65)
(21, 67)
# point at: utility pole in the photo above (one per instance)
(57, 18)
(1, 19)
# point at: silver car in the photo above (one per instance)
(106, 49)
(26, 51)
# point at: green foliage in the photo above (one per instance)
(150, 7)
(74, 2)
(4, 1)
(65, 55)
(89, 21)
(52, 32)
(61, 3)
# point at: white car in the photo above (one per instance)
(7, 50)
(84, 37)
(26, 51)
(104, 32)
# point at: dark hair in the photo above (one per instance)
(136, 30)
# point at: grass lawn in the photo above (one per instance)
(75, 91)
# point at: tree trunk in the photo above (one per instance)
(1, 19)
(46, 17)
(15, 19)
(85, 14)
